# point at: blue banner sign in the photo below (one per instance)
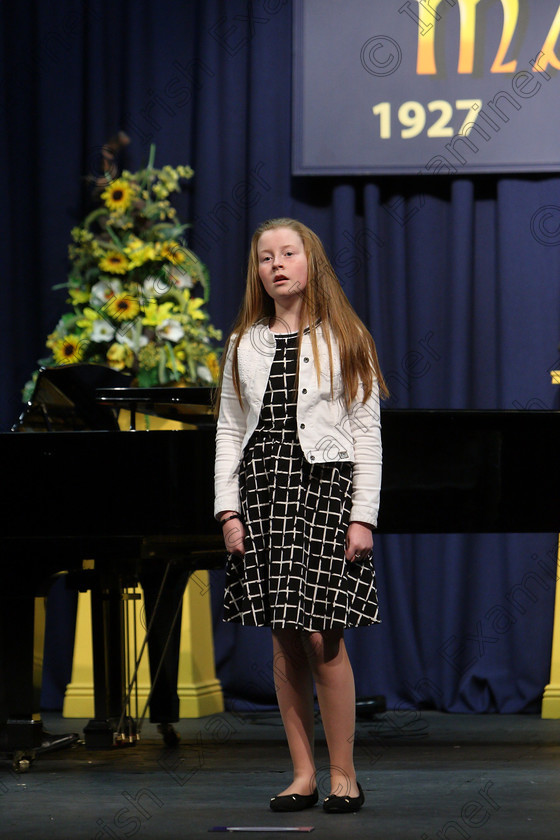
(426, 86)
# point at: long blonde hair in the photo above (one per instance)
(324, 302)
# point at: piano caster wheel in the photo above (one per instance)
(22, 762)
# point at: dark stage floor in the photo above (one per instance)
(426, 776)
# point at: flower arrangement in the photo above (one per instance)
(133, 287)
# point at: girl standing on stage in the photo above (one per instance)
(298, 477)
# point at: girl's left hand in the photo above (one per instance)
(359, 542)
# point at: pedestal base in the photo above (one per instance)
(551, 702)
(199, 690)
(551, 697)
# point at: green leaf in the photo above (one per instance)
(161, 373)
(147, 378)
(192, 368)
(115, 238)
(172, 359)
(173, 231)
(95, 214)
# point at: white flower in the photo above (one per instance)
(204, 374)
(102, 331)
(103, 291)
(170, 329)
(179, 278)
(131, 339)
(155, 286)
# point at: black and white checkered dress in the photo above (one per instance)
(294, 572)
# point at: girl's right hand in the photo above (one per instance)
(234, 536)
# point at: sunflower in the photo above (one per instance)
(122, 307)
(118, 196)
(68, 350)
(114, 262)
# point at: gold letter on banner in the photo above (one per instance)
(426, 62)
(511, 13)
(549, 56)
(467, 13)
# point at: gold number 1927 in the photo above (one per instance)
(412, 117)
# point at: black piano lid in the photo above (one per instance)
(64, 399)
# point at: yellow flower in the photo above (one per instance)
(185, 171)
(114, 262)
(122, 307)
(193, 308)
(213, 365)
(168, 173)
(80, 235)
(133, 243)
(141, 255)
(119, 356)
(160, 191)
(86, 323)
(68, 350)
(78, 296)
(154, 314)
(149, 356)
(97, 252)
(139, 252)
(173, 252)
(179, 366)
(118, 196)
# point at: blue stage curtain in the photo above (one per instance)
(460, 294)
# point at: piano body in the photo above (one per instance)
(130, 498)
(85, 491)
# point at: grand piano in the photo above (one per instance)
(122, 499)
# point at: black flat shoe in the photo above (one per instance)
(294, 802)
(344, 804)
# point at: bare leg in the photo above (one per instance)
(334, 681)
(294, 690)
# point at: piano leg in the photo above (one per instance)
(23, 618)
(108, 667)
(112, 722)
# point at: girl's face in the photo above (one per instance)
(282, 264)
